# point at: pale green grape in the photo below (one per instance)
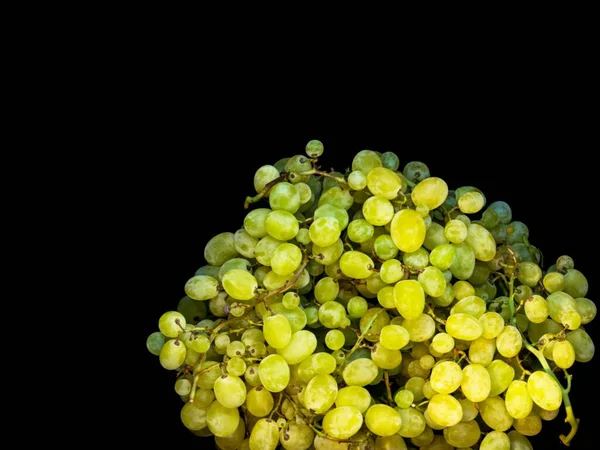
(471, 202)
(408, 230)
(490, 219)
(384, 247)
(463, 289)
(442, 343)
(412, 422)
(326, 290)
(200, 344)
(337, 196)
(463, 434)
(418, 259)
(254, 223)
(236, 366)
(222, 341)
(183, 386)
(222, 421)
(444, 410)
(442, 256)
(281, 225)
(463, 263)
(171, 324)
(586, 309)
(433, 282)
(234, 440)
(391, 271)
(463, 326)
(383, 420)
(230, 391)
(330, 254)
(409, 298)
(494, 414)
(455, 231)
(335, 212)
(394, 337)
(239, 284)
(431, 192)
(416, 171)
(355, 396)
(390, 160)
(502, 209)
(284, 196)
(476, 382)
(385, 297)
(536, 309)
(193, 416)
(560, 303)
(263, 176)
(286, 259)
(296, 316)
(576, 284)
(259, 401)
(320, 393)
(420, 329)
(296, 436)
(304, 191)
(155, 342)
(495, 440)
(277, 331)
(324, 231)
(357, 180)
(274, 373)
(265, 248)
(518, 441)
(383, 182)
(220, 248)
(529, 273)
(192, 310)
(290, 300)
(314, 149)
(252, 336)
(509, 342)
(518, 401)
(312, 315)
(264, 435)
(374, 283)
(416, 384)
(357, 307)
(251, 375)
(481, 241)
(492, 324)
(472, 305)
(355, 264)
(378, 211)
(385, 358)
(245, 243)
(446, 377)
(434, 236)
(332, 315)
(365, 161)
(300, 347)
(334, 339)
(530, 425)
(360, 230)
(554, 281)
(360, 372)
(482, 351)
(404, 398)
(172, 354)
(544, 390)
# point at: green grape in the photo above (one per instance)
(324, 231)
(211, 271)
(421, 441)
(183, 386)
(320, 393)
(245, 243)
(384, 247)
(409, 298)
(252, 376)
(284, 196)
(277, 331)
(357, 307)
(200, 344)
(332, 315)
(416, 171)
(254, 223)
(222, 341)
(323, 363)
(335, 212)
(385, 358)
(365, 161)
(509, 342)
(314, 268)
(502, 209)
(286, 259)
(383, 420)
(374, 283)
(303, 236)
(404, 398)
(446, 377)
(499, 233)
(378, 210)
(515, 232)
(530, 425)
(471, 202)
(263, 176)
(281, 225)
(234, 440)
(390, 160)
(391, 271)
(222, 421)
(220, 248)
(442, 256)
(435, 236)
(355, 396)
(571, 320)
(394, 337)
(357, 180)
(360, 372)
(463, 326)
(192, 310)
(472, 305)
(252, 336)
(415, 370)
(330, 254)
(326, 290)
(560, 303)
(314, 149)
(463, 434)
(529, 273)
(257, 349)
(420, 329)
(274, 373)
(444, 410)
(259, 401)
(416, 384)
(518, 401)
(412, 422)
(554, 281)
(385, 297)
(418, 259)
(494, 414)
(408, 230)
(442, 343)
(564, 263)
(490, 219)
(300, 347)
(264, 435)
(545, 414)
(536, 309)
(290, 300)
(482, 351)
(463, 289)
(360, 230)
(476, 382)
(518, 441)
(355, 264)
(239, 284)
(312, 315)
(463, 263)
(204, 397)
(236, 366)
(383, 319)
(265, 249)
(155, 342)
(172, 354)
(193, 416)
(482, 242)
(296, 436)
(576, 284)
(218, 305)
(586, 309)
(230, 391)
(544, 390)
(495, 440)
(384, 182)
(336, 196)
(433, 282)
(171, 324)
(455, 231)
(431, 192)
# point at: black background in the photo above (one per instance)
(191, 180)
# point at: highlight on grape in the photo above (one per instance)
(374, 309)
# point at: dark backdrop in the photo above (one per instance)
(192, 176)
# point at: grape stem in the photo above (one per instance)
(265, 190)
(340, 180)
(276, 409)
(387, 386)
(364, 333)
(432, 314)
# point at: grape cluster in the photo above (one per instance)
(375, 309)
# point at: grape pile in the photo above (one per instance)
(375, 309)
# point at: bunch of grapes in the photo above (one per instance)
(375, 309)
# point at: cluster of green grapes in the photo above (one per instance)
(375, 309)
